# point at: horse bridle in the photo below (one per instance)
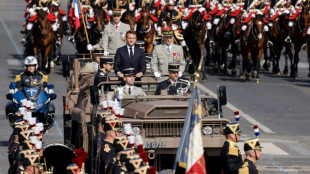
(258, 32)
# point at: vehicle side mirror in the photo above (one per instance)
(65, 69)
(9, 97)
(222, 95)
(53, 96)
(50, 86)
(94, 95)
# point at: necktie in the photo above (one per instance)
(116, 26)
(131, 54)
(168, 50)
(129, 90)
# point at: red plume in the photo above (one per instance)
(236, 112)
(144, 157)
(255, 127)
(152, 170)
(140, 148)
(80, 157)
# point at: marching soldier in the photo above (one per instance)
(174, 84)
(253, 152)
(106, 65)
(165, 53)
(129, 89)
(231, 158)
(114, 35)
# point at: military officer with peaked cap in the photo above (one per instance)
(165, 53)
(98, 52)
(129, 89)
(106, 65)
(114, 35)
(252, 149)
(174, 85)
(231, 158)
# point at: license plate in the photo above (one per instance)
(154, 145)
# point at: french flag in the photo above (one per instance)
(75, 12)
(256, 130)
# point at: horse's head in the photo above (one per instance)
(42, 23)
(258, 26)
(145, 19)
(129, 18)
(304, 17)
(196, 20)
(99, 21)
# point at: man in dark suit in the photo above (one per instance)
(174, 85)
(130, 56)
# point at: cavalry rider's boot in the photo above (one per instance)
(24, 40)
(67, 28)
(57, 39)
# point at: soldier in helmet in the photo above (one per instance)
(174, 84)
(31, 76)
(231, 158)
(253, 153)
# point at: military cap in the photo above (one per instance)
(173, 66)
(98, 51)
(106, 60)
(117, 11)
(130, 153)
(167, 32)
(73, 169)
(24, 135)
(31, 160)
(27, 144)
(140, 44)
(133, 164)
(19, 122)
(232, 128)
(121, 145)
(110, 125)
(123, 137)
(171, 2)
(129, 71)
(25, 152)
(252, 144)
(108, 117)
(142, 170)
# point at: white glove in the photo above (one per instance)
(180, 74)
(174, 27)
(32, 12)
(110, 13)
(156, 74)
(105, 53)
(89, 47)
(202, 9)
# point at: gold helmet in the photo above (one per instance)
(252, 144)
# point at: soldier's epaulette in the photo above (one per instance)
(180, 14)
(233, 150)
(244, 169)
(44, 77)
(17, 77)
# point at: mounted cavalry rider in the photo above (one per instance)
(31, 77)
(174, 85)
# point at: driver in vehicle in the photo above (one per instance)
(31, 77)
(174, 85)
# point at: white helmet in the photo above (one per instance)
(31, 60)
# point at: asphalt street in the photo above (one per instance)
(279, 104)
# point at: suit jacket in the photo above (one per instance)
(161, 58)
(113, 38)
(122, 61)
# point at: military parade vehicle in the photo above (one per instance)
(158, 118)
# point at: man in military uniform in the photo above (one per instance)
(114, 35)
(98, 52)
(253, 152)
(31, 77)
(231, 158)
(106, 65)
(174, 85)
(129, 89)
(166, 52)
(31, 164)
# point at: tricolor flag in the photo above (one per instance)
(75, 12)
(190, 155)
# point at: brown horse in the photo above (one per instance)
(252, 48)
(145, 28)
(97, 28)
(299, 36)
(194, 36)
(128, 17)
(43, 40)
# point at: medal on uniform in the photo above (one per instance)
(107, 148)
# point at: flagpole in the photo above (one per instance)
(83, 20)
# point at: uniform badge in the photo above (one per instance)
(176, 57)
(123, 35)
(107, 149)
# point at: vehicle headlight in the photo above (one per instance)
(136, 130)
(217, 130)
(207, 130)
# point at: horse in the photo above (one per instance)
(299, 33)
(194, 35)
(278, 35)
(145, 28)
(43, 40)
(97, 28)
(252, 47)
(128, 17)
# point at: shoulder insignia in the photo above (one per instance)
(232, 150)
(244, 169)
(107, 148)
(102, 74)
(45, 78)
(17, 78)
